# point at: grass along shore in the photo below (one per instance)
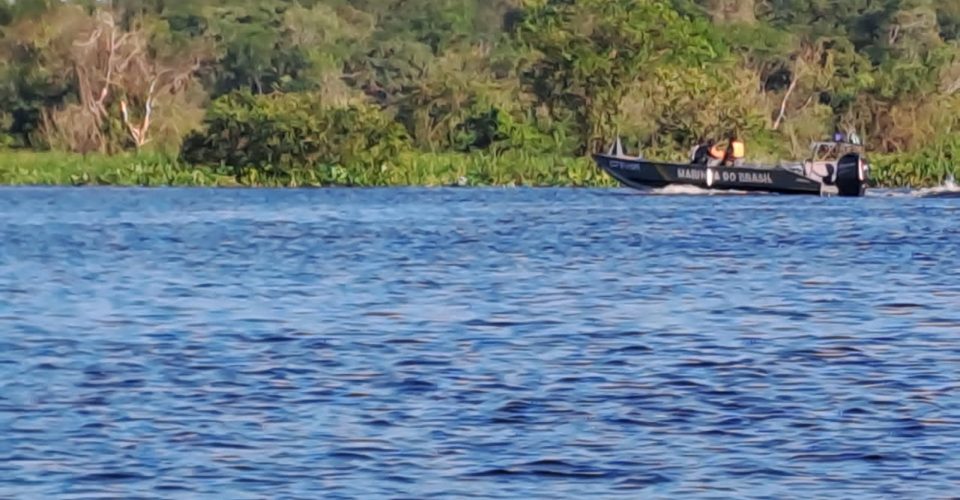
(19, 167)
(24, 167)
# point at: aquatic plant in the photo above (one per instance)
(408, 169)
(927, 167)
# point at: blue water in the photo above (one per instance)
(476, 344)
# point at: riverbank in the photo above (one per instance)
(22, 167)
(411, 169)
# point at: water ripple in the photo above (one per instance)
(420, 343)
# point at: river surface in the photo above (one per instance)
(477, 343)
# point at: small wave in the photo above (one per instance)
(604, 350)
(100, 477)
(549, 468)
(889, 193)
(675, 189)
(948, 189)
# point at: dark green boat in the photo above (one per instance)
(821, 174)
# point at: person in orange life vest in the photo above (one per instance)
(729, 152)
(716, 153)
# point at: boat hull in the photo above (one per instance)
(642, 174)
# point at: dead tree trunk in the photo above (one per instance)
(115, 67)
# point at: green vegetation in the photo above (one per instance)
(453, 92)
(56, 168)
(410, 169)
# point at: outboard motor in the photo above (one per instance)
(852, 175)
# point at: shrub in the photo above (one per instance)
(277, 135)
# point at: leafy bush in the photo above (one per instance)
(495, 130)
(278, 134)
(926, 167)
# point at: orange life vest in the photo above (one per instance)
(738, 150)
(718, 151)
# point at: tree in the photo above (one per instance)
(117, 76)
(592, 51)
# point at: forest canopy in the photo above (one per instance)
(285, 82)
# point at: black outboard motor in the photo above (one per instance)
(853, 174)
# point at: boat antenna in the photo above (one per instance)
(618, 148)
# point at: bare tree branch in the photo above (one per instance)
(783, 103)
(114, 66)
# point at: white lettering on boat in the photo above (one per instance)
(755, 177)
(725, 176)
(623, 165)
(701, 174)
(691, 173)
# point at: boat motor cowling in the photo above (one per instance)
(852, 175)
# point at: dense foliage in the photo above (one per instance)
(348, 91)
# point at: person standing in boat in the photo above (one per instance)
(728, 153)
(717, 153)
(702, 153)
(735, 151)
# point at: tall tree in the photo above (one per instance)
(592, 51)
